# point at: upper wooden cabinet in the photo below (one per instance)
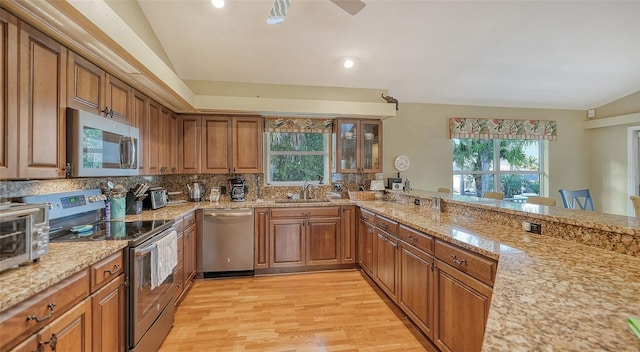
(231, 144)
(42, 105)
(8, 95)
(188, 144)
(94, 90)
(168, 142)
(358, 145)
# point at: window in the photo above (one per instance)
(295, 157)
(510, 166)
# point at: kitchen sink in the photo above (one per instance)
(302, 200)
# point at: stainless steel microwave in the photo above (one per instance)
(99, 146)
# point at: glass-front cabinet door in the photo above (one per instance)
(358, 145)
(371, 146)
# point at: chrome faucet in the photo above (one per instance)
(305, 190)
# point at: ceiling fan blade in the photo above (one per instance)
(351, 6)
(278, 11)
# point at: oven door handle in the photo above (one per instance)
(145, 250)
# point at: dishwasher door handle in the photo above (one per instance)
(228, 215)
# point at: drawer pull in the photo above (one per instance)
(386, 226)
(46, 316)
(116, 268)
(458, 262)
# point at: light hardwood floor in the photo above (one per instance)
(312, 312)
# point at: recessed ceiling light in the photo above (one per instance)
(348, 63)
(218, 4)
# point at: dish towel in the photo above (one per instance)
(164, 258)
(634, 324)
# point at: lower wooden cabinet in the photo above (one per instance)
(287, 242)
(108, 318)
(71, 332)
(304, 237)
(415, 289)
(189, 253)
(185, 270)
(366, 243)
(444, 289)
(462, 306)
(385, 264)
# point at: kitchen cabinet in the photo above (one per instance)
(8, 95)
(85, 312)
(415, 289)
(261, 238)
(366, 243)
(168, 142)
(153, 139)
(189, 249)
(358, 145)
(461, 308)
(304, 236)
(231, 144)
(92, 89)
(108, 318)
(140, 112)
(185, 270)
(71, 332)
(348, 234)
(42, 104)
(188, 144)
(385, 262)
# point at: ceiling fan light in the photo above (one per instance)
(218, 4)
(278, 11)
(348, 63)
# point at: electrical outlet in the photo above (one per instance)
(536, 228)
(416, 201)
(532, 227)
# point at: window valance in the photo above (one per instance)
(483, 128)
(290, 124)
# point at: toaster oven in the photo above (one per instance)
(24, 234)
(156, 198)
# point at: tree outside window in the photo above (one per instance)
(517, 173)
(296, 157)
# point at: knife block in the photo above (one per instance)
(134, 207)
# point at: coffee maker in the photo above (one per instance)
(237, 189)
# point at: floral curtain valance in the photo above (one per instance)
(288, 124)
(482, 128)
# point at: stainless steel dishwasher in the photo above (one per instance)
(225, 239)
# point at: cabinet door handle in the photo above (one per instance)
(53, 341)
(51, 307)
(116, 268)
(458, 262)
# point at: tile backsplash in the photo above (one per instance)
(178, 183)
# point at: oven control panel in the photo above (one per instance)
(72, 201)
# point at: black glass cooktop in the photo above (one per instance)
(135, 232)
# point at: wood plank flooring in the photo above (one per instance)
(311, 312)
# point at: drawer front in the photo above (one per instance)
(388, 225)
(476, 265)
(23, 319)
(416, 238)
(304, 212)
(189, 220)
(106, 270)
(367, 216)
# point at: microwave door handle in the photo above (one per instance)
(127, 142)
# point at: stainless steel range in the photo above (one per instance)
(75, 216)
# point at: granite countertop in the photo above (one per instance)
(62, 261)
(549, 294)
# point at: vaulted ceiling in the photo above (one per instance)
(550, 54)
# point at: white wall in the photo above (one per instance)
(421, 132)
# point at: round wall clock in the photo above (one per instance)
(401, 163)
